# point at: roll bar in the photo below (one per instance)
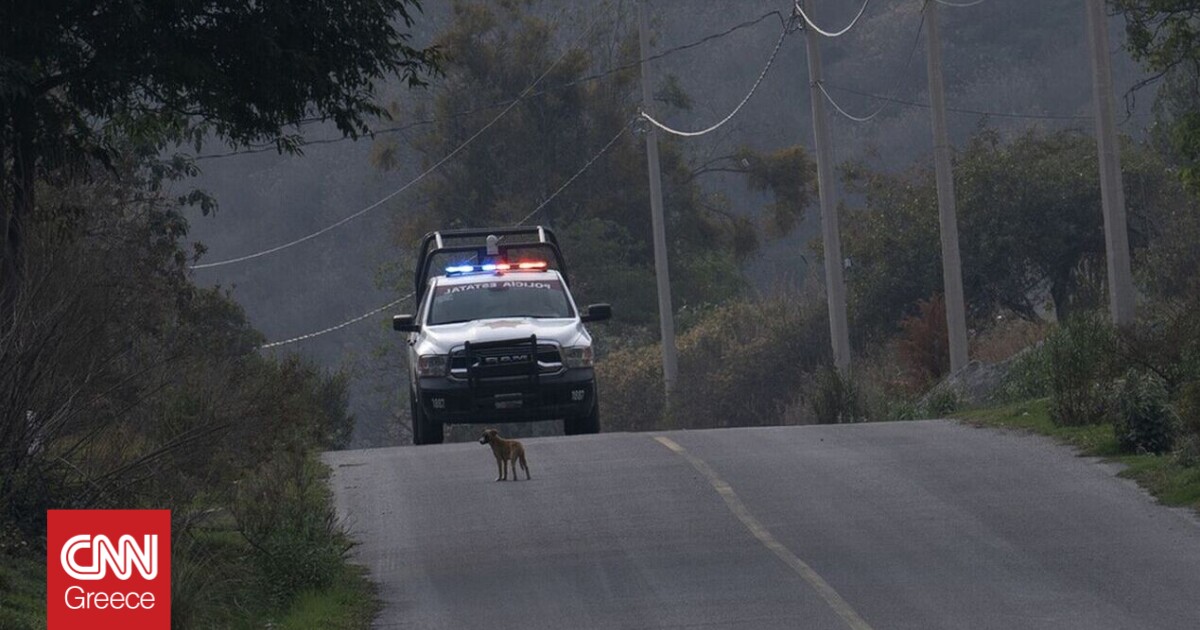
(474, 240)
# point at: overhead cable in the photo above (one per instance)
(570, 180)
(818, 29)
(567, 50)
(959, 5)
(960, 110)
(273, 146)
(900, 77)
(276, 344)
(757, 82)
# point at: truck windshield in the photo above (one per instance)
(498, 298)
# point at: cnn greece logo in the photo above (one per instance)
(108, 569)
(122, 557)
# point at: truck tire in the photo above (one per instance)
(584, 425)
(425, 430)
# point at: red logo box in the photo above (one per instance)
(108, 569)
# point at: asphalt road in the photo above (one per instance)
(906, 525)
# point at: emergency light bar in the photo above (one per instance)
(521, 266)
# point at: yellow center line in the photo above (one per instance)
(814, 579)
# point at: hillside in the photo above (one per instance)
(1022, 56)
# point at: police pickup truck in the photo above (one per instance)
(497, 336)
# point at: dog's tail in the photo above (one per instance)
(524, 466)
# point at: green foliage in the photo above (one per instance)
(942, 403)
(178, 71)
(672, 94)
(1028, 226)
(1164, 36)
(1028, 376)
(22, 588)
(836, 399)
(1080, 358)
(735, 363)
(1166, 339)
(169, 405)
(602, 218)
(286, 513)
(789, 175)
(1145, 422)
(1188, 407)
(85, 86)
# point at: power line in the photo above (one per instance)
(960, 110)
(813, 26)
(570, 180)
(959, 5)
(275, 344)
(762, 75)
(273, 146)
(912, 53)
(419, 177)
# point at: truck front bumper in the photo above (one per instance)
(567, 395)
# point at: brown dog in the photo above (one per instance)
(507, 452)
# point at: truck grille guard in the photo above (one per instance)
(506, 372)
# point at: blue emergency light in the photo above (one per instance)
(530, 265)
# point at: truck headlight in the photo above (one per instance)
(578, 357)
(432, 365)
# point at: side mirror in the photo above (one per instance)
(597, 313)
(405, 323)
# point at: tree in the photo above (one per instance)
(1165, 36)
(1030, 226)
(77, 77)
(494, 52)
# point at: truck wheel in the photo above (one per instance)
(584, 425)
(425, 430)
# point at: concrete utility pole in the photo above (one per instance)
(1112, 189)
(835, 284)
(666, 315)
(956, 317)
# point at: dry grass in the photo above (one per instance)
(1006, 337)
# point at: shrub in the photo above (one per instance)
(942, 403)
(1188, 407)
(740, 364)
(1166, 341)
(630, 384)
(1079, 367)
(900, 410)
(924, 342)
(836, 399)
(284, 511)
(1145, 422)
(1028, 376)
(1187, 453)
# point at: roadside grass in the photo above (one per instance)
(1162, 476)
(246, 600)
(22, 591)
(349, 604)
(218, 577)
(223, 582)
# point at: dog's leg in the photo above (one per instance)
(499, 469)
(513, 464)
(524, 465)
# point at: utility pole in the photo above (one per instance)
(835, 284)
(666, 315)
(1112, 190)
(956, 317)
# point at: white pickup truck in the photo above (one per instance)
(497, 336)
